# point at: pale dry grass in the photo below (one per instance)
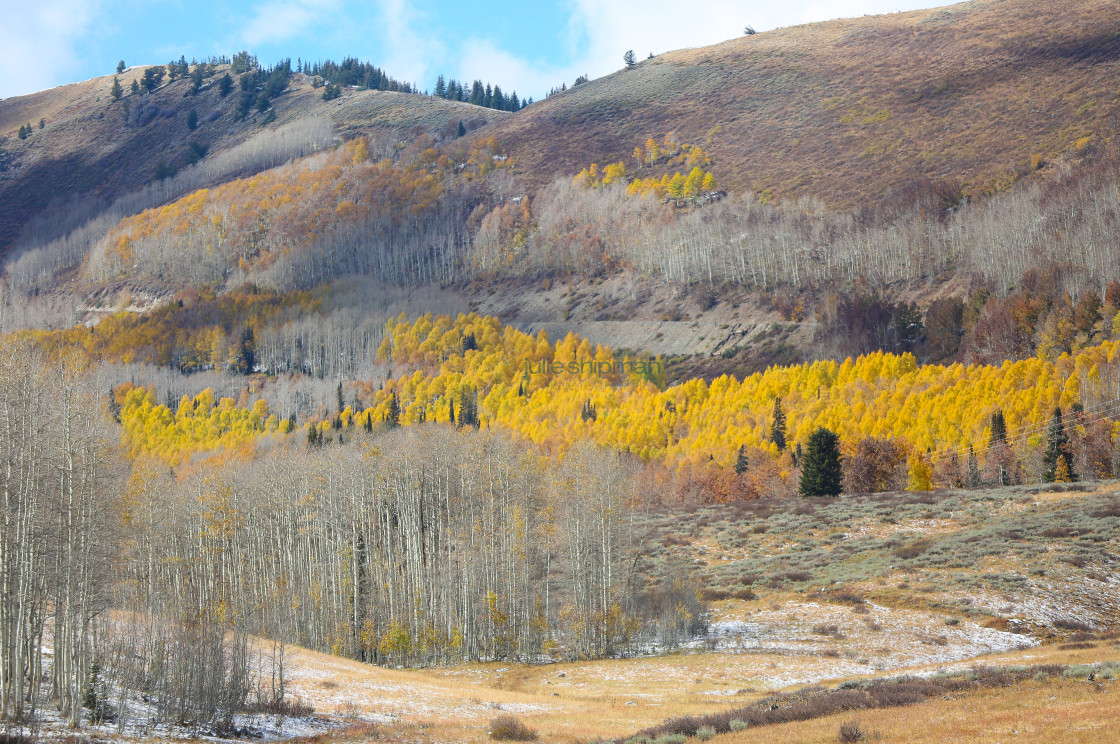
(612, 698)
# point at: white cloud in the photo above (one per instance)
(405, 53)
(481, 59)
(37, 43)
(599, 31)
(280, 20)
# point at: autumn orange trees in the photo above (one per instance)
(301, 225)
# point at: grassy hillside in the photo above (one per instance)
(975, 95)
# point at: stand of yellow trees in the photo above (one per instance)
(557, 394)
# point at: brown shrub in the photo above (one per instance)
(913, 550)
(508, 728)
(1065, 623)
(851, 732)
(875, 465)
(1111, 509)
(847, 598)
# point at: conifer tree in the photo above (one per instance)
(468, 407)
(196, 80)
(153, 76)
(629, 58)
(120, 67)
(225, 85)
(135, 87)
(742, 464)
(973, 469)
(1058, 460)
(116, 91)
(778, 426)
(393, 416)
(998, 428)
(822, 474)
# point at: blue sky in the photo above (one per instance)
(528, 46)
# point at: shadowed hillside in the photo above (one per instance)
(973, 95)
(92, 150)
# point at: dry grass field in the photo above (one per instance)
(584, 702)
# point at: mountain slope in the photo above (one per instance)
(93, 150)
(849, 110)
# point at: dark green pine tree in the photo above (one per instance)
(629, 58)
(116, 91)
(225, 85)
(461, 131)
(1058, 460)
(120, 67)
(998, 428)
(369, 423)
(246, 352)
(338, 396)
(441, 87)
(24, 131)
(393, 416)
(821, 473)
(742, 464)
(135, 87)
(973, 469)
(468, 408)
(196, 80)
(778, 426)
(153, 76)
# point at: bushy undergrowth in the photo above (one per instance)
(817, 702)
(509, 728)
(801, 547)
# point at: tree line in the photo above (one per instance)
(480, 94)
